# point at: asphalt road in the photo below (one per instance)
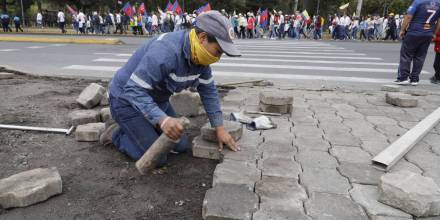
(287, 61)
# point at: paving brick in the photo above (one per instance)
(381, 120)
(350, 154)
(250, 138)
(280, 191)
(360, 173)
(276, 98)
(89, 132)
(273, 214)
(235, 129)
(105, 100)
(246, 154)
(6, 75)
(311, 131)
(226, 201)
(279, 167)
(91, 96)
(105, 114)
(277, 148)
(29, 187)
(401, 100)
(405, 165)
(333, 207)
(80, 117)
(187, 104)
(324, 180)
(417, 92)
(341, 138)
(350, 115)
(238, 173)
(205, 149)
(374, 147)
(367, 197)
(343, 107)
(422, 156)
(282, 109)
(390, 88)
(393, 132)
(234, 100)
(370, 111)
(316, 159)
(314, 144)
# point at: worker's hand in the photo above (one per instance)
(402, 34)
(171, 127)
(224, 137)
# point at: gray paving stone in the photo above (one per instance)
(368, 134)
(276, 98)
(282, 109)
(89, 132)
(250, 138)
(370, 111)
(29, 187)
(80, 117)
(405, 165)
(234, 100)
(343, 107)
(350, 154)
(393, 132)
(358, 123)
(187, 104)
(423, 157)
(341, 138)
(417, 92)
(360, 173)
(105, 114)
(374, 147)
(390, 88)
(407, 124)
(381, 120)
(279, 167)
(246, 154)
(277, 148)
(324, 180)
(276, 190)
(6, 75)
(434, 174)
(235, 129)
(316, 159)
(410, 192)
(105, 100)
(401, 100)
(273, 214)
(326, 206)
(235, 172)
(314, 144)
(205, 149)
(391, 110)
(367, 197)
(226, 201)
(311, 131)
(91, 96)
(350, 115)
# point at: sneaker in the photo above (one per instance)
(402, 82)
(414, 83)
(435, 80)
(106, 136)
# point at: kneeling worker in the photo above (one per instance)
(140, 90)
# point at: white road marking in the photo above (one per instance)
(298, 52)
(36, 47)
(308, 56)
(116, 54)
(110, 60)
(94, 68)
(8, 50)
(308, 61)
(57, 45)
(320, 49)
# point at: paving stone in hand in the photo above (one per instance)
(360, 173)
(316, 159)
(187, 104)
(247, 154)
(238, 173)
(279, 167)
(350, 154)
(324, 180)
(333, 207)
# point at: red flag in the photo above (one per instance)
(71, 10)
(128, 10)
(176, 8)
(141, 9)
(169, 7)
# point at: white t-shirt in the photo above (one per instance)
(177, 20)
(118, 18)
(61, 17)
(154, 20)
(39, 17)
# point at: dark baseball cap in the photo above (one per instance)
(217, 25)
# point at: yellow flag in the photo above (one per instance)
(344, 6)
(306, 14)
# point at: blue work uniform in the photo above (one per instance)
(139, 92)
(425, 14)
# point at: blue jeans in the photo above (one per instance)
(413, 51)
(136, 134)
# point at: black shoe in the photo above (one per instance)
(402, 82)
(434, 80)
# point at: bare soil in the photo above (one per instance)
(98, 182)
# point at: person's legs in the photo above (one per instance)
(437, 66)
(421, 49)
(406, 56)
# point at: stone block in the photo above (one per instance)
(226, 201)
(237, 173)
(30, 187)
(324, 180)
(106, 114)
(273, 214)
(367, 197)
(205, 149)
(276, 98)
(311, 144)
(91, 96)
(279, 167)
(360, 173)
(401, 100)
(350, 154)
(89, 132)
(80, 117)
(246, 154)
(104, 101)
(235, 129)
(333, 207)
(187, 104)
(410, 192)
(316, 159)
(6, 75)
(281, 109)
(391, 88)
(341, 138)
(277, 190)
(277, 148)
(417, 92)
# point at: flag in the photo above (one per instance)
(176, 8)
(264, 18)
(306, 14)
(71, 10)
(204, 8)
(128, 10)
(344, 6)
(169, 7)
(141, 9)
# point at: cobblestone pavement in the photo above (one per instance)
(317, 163)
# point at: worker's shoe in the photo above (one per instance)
(106, 136)
(434, 80)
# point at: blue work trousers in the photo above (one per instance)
(413, 50)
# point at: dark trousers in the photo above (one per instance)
(437, 66)
(136, 134)
(413, 50)
(62, 27)
(18, 27)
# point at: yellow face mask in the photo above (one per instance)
(199, 54)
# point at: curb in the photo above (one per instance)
(108, 41)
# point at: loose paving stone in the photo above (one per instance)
(279, 167)
(80, 117)
(350, 154)
(91, 96)
(327, 206)
(187, 104)
(89, 132)
(381, 120)
(228, 201)
(311, 144)
(281, 109)
(234, 100)
(238, 173)
(29, 187)
(367, 197)
(280, 192)
(273, 214)
(105, 114)
(360, 173)
(401, 100)
(105, 100)
(374, 147)
(276, 98)
(235, 129)
(205, 149)
(316, 159)
(6, 75)
(411, 192)
(391, 88)
(324, 180)
(417, 92)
